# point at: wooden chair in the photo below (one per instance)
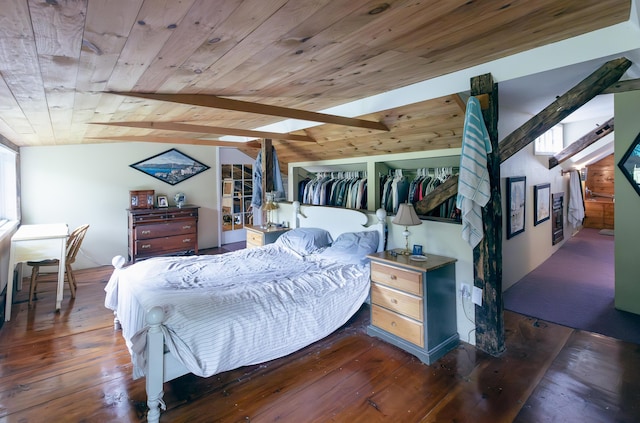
(73, 246)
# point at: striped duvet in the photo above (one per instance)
(245, 307)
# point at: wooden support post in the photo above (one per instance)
(487, 255)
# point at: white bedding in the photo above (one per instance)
(236, 309)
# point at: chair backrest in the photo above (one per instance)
(74, 241)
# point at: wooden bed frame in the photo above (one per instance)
(163, 366)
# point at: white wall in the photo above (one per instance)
(627, 230)
(79, 184)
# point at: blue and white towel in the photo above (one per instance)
(474, 190)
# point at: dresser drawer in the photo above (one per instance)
(399, 301)
(401, 326)
(405, 280)
(159, 230)
(168, 244)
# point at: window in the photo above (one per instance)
(8, 185)
(549, 143)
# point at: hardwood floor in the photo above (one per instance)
(73, 367)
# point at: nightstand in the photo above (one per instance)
(258, 236)
(413, 304)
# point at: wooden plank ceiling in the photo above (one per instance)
(62, 60)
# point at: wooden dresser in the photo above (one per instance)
(162, 231)
(413, 304)
(258, 236)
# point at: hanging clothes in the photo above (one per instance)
(576, 200)
(340, 189)
(474, 190)
(278, 185)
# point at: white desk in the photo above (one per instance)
(34, 243)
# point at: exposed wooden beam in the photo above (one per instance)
(177, 140)
(582, 143)
(566, 104)
(439, 195)
(204, 129)
(262, 109)
(623, 86)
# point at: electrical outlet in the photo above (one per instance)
(476, 296)
(465, 291)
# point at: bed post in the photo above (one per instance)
(381, 215)
(296, 211)
(155, 364)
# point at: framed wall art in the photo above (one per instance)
(541, 203)
(170, 166)
(557, 224)
(630, 164)
(516, 201)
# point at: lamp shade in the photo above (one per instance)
(270, 206)
(406, 216)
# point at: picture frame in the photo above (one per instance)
(163, 201)
(141, 199)
(629, 164)
(557, 224)
(541, 203)
(170, 166)
(516, 205)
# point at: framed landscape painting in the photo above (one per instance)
(170, 166)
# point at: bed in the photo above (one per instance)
(209, 314)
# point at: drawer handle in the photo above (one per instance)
(145, 246)
(393, 324)
(184, 241)
(146, 232)
(393, 277)
(186, 227)
(394, 301)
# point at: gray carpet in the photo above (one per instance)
(575, 287)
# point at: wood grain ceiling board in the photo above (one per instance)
(59, 58)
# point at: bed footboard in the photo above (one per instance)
(155, 364)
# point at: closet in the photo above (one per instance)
(376, 182)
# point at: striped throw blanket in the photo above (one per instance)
(473, 182)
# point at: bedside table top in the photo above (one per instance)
(433, 261)
(258, 228)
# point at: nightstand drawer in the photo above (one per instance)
(405, 280)
(254, 239)
(398, 325)
(401, 302)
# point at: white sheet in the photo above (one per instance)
(236, 309)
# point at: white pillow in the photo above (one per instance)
(305, 241)
(352, 247)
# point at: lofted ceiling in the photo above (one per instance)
(65, 65)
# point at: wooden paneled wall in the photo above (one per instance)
(599, 192)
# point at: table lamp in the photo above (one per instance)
(269, 206)
(406, 217)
